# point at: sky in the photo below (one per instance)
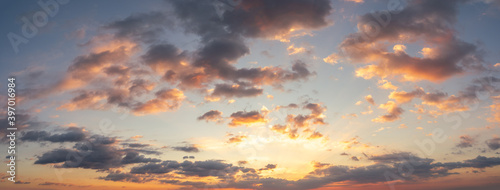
(252, 94)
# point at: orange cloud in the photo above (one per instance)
(393, 112)
(242, 118)
(166, 100)
(237, 139)
(369, 99)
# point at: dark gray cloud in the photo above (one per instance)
(134, 157)
(24, 122)
(70, 134)
(188, 157)
(216, 168)
(146, 27)
(96, 152)
(136, 145)
(164, 57)
(190, 148)
(116, 176)
(229, 91)
(493, 143)
(269, 167)
(212, 115)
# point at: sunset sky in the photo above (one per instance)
(253, 94)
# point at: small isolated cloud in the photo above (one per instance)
(212, 115)
(493, 143)
(269, 167)
(189, 148)
(393, 112)
(295, 50)
(354, 158)
(332, 59)
(369, 99)
(236, 139)
(466, 141)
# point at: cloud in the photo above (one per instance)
(243, 118)
(259, 18)
(108, 75)
(136, 145)
(393, 112)
(355, 1)
(144, 27)
(495, 112)
(450, 103)
(493, 143)
(212, 115)
(96, 152)
(85, 100)
(295, 50)
(236, 139)
(235, 90)
(166, 100)
(187, 157)
(319, 164)
(22, 182)
(269, 167)
(429, 21)
(332, 59)
(214, 168)
(190, 148)
(241, 177)
(298, 125)
(63, 184)
(384, 84)
(466, 141)
(369, 99)
(404, 97)
(165, 57)
(71, 134)
(117, 176)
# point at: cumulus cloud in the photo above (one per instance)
(107, 75)
(430, 21)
